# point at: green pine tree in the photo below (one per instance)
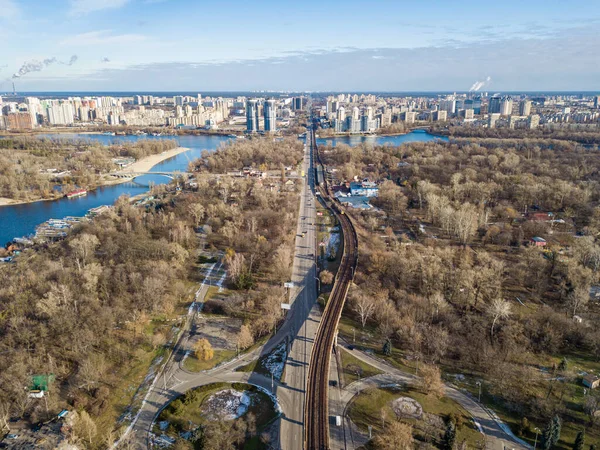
(557, 428)
(547, 436)
(387, 348)
(564, 365)
(579, 441)
(449, 436)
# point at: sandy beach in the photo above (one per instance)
(141, 165)
(145, 164)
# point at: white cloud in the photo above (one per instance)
(8, 9)
(79, 7)
(101, 37)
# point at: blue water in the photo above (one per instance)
(414, 136)
(21, 220)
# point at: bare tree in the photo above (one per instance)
(364, 306)
(245, 338)
(498, 309)
(397, 435)
(431, 380)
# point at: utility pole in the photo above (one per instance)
(478, 383)
(537, 430)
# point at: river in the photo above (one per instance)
(414, 136)
(21, 220)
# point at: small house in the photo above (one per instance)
(365, 188)
(591, 381)
(540, 216)
(538, 241)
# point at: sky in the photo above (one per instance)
(285, 45)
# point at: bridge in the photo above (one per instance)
(170, 175)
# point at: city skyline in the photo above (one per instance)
(177, 45)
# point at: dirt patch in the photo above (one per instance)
(227, 404)
(221, 332)
(407, 408)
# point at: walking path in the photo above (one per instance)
(497, 433)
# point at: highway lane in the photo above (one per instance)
(306, 321)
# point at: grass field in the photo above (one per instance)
(368, 407)
(355, 369)
(193, 364)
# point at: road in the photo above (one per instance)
(298, 330)
(304, 326)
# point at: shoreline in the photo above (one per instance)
(141, 165)
(148, 162)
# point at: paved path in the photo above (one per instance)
(498, 437)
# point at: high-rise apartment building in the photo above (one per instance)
(448, 105)
(492, 119)
(252, 116)
(506, 106)
(533, 122)
(298, 104)
(270, 111)
(525, 107)
(494, 106)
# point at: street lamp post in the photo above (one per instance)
(479, 384)
(318, 285)
(537, 430)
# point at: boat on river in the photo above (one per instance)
(76, 193)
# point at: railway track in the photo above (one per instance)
(316, 413)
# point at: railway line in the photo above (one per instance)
(316, 413)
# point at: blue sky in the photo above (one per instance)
(290, 45)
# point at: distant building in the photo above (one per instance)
(506, 106)
(298, 104)
(18, 121)
(494, 105)
(448, 105)
(270, 112)
(60, 114)
(252, 116)
(533, 122)
(525, 107)
(492, 119)
(408, 116)
(440, 116)
(178, 100)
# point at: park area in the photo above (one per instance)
(428, 415)
(225, 413)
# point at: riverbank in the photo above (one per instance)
(141, 165)
(145, 164)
